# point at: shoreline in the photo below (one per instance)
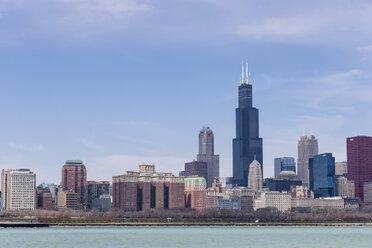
(210, 224)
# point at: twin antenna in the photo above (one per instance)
(244, 79)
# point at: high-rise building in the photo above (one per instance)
(255, 176)
(322, 175)
(206, 154)
(247, 145)
(368, 192)
(18, 189)
(284, 164)
(146, 189)
(195, 193)
(196, 168)
(74, 178)
(307, 148)
(44, 199)
(341, 168)
(359, 162)
(344, 187)
(281, 185)
(96, 190)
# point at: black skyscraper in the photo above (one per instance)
(247, 145)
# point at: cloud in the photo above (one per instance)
(23, 147)
(107, 166)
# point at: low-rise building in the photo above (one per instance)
(302, 202)
(103, 203)
(329, 202)
(232, 202)
(67, 199)
(273, 199)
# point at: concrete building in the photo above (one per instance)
(96, 190)
(300, 191)
(1, 207)
(359, 162)
(341, 168)
(255, 176)
(195, 193)
(284, 164)
(302, 202)
(206, 154)
(74, 178)
(367, 192)
(329, 202)
(68, 199)
(307, 148)
(196, 168)
(344, 187)
(231, 202)
(247, 146)
(18, 189)
(271, 199)
(103, 203)
(44, 199)
(146, 189)
(322, 175)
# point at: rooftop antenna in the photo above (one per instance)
(242, 76)
(246, 72)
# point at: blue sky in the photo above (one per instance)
(120, 82)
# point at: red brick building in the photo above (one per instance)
(44, 199)
(146, 189)
(195, 193)
(74, 178)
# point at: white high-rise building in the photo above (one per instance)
(18, 189)
(255, 176)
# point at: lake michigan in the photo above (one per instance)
(162, 237)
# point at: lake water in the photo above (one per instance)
(201, 237)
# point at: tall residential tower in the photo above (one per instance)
(74, 179)
(206, 154)
(247, 145)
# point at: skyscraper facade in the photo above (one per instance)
(196, 168)
(247, 145)
(307, 148)
(18, 189)
(195, 193)
(255, 176)
(74, 178)
(322, 175)
(284, 164)
(206, 154)
(359, 162)
(95, 190)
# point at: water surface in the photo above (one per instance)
(190, 237)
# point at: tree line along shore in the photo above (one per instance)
(300, 216)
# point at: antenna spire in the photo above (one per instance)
(246, 72)
(242, 76)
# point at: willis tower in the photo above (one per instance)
(247, 146)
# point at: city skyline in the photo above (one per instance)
(75, 87)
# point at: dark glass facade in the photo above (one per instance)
(359, 162)
(322, 175)
(247, 145)
(284, 164)
(281, 185)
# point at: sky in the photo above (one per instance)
(116, 83)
